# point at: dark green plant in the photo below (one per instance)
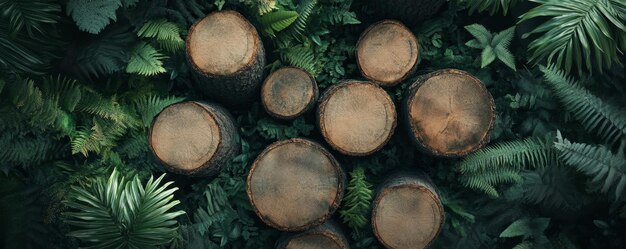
(580, 32)
(357, 202)
(123, 213)
(493, 6)
(494, 45)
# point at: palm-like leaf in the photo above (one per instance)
(580, 31)
(29, 14)
(492, 6)
(494, 46)
(608, 121)
(277, 20)
(120, 213)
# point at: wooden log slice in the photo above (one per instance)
(410, 12)
(227, 56)
(325, 236)
(407, 212)
(295, 184)
(288, 92)
(356, 118)
(449, 112)
(194, 138)
(387, 52)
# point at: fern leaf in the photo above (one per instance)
(145, 60)
(303, 57)
(493, 6)
(149, 106)
(606, 168)
(608, 121)
(106, 55)
(526, 228)
(93, 15)
(167, 34)
(357, 201)
(277, 20)
(481, 34)
(502, 163)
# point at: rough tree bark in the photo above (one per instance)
(227, 57)
(295, 184)
(387, 53)
(194, 138)
(288, 92)
(407, 212)
(449, 113)
(356, 118)
(325, 236)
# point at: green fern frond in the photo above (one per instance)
(107, 108)
(27, 150)
(358, 199)
(297, 29)
(145, 60)
(526, 228)
(62, 90)
(301, 56)
(277, 20)
(93, 15)
(107, 54)
(607, 169)
(525, 245)
(608, 121)
(580, 31)
(149, 106)
(166, 34)
(121, 213)
(502, 163)
(31, 105)
(265, 6)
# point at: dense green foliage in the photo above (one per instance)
(81, 81)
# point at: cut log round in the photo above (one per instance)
(387, 52)
(227, 56)
(407, 212)
(410, 12)
(356, 118)
(295, 184)
(194, 138)
(325, 236)
(288, 92)
(449, 113)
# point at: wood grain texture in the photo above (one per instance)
(449, 113)
(410, 12)
(325, 236)
(193, 138)
(407, 212)
(227, 56)
(356, 118)
(295, 184)
(387, 52)
(288, 92)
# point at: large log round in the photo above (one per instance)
(194, 138)
(387, 52)
(227, 57)
(449, 113)
(407, 212)
(288, 92)
(356, 118)
(295, 184)
(410, 12)
(325, 236)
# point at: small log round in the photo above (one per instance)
(295, 184)
(410, 12)
(288, 92)
(227, 57)
(407, 212)
(325, 236)
(194, 138)
(449, 113)
(387, 52)
(356, 118)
